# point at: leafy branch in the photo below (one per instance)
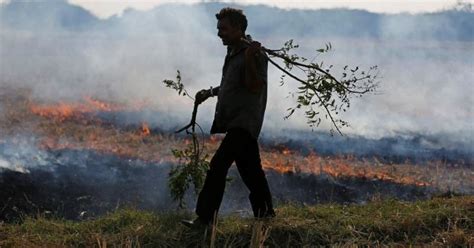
(192, 163)
(321, 91)
(177, 85)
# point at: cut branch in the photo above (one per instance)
(309, 66)
(315, 91)
(322, 83)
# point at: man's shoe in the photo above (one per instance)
(270, 214)
(196, 224)
(267, 215)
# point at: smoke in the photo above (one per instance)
(426, 66)
(426, 89)
(121, 59)
(18, 154)
(1, 112)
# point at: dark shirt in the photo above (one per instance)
(237, 106)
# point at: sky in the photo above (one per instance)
(107, 8)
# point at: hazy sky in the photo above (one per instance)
(106, 8)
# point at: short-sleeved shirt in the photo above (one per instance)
(237, 106)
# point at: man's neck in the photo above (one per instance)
(235, 46)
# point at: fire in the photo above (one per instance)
(145, 129)
(63, 111)
(149, 146)
(106, 140)
(334, 166)
(98, 105)
(286, 151)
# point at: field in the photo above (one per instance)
(436, 222)
(71, 176)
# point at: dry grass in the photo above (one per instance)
(436, 222)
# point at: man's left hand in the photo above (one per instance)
(202, 96)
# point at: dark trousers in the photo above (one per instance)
(239, 146)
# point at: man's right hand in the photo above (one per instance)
(202, 96)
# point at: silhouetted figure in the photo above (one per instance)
(241, 102)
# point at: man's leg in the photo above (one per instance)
(250, 169)
(210, 197)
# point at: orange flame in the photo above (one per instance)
(63, 111)
(286, 151)
(88, 135)
(334, 166)
(145, 129)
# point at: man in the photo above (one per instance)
(241, 102)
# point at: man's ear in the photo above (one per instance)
(239, 29)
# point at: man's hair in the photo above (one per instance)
(235, 16)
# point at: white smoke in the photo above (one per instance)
(426, 84)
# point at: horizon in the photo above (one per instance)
(104, 9)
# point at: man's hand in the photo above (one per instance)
(253, 49)
(202, 96)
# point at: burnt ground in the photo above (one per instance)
(81, 184)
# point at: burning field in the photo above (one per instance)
(80, 159)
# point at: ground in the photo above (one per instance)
(441, 221)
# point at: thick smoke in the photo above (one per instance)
(62, 51)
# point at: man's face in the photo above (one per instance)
(229, 34)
